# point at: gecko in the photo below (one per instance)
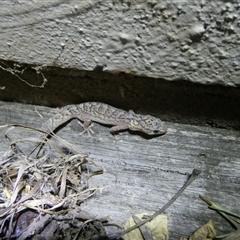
(102, 113)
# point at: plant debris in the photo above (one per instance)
(205, 232)
(158, 227)
(41, 194)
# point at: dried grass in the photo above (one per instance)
(42, 190)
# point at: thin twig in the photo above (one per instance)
(192, 177)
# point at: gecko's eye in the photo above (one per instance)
(155, 131)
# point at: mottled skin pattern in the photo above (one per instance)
(102, 113)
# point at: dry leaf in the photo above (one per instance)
(158, 227)
(205, 232)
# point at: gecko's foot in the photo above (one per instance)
(86, 129)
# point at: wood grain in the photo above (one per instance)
(142, 174)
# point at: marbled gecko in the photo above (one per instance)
(105, 114)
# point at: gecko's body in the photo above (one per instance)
(103, 113)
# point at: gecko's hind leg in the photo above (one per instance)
(87, 126)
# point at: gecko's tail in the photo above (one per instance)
(48, 130)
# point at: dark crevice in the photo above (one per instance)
(177, 101)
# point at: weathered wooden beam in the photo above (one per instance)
(142, 174)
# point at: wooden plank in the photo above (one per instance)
(142, 174)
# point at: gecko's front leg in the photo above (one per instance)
(119, 127)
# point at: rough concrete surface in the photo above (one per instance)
(196, 40)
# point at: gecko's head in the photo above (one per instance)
(147, 124)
